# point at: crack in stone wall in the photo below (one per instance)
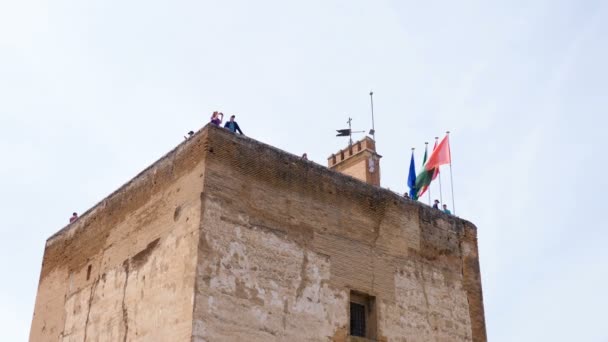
(422, 283)
(125, 311)
(303, 276)
(381, 213)
(90, 304)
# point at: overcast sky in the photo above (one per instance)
(92, 92)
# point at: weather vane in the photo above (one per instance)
(348, 132)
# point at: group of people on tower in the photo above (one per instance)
(231, 125)
(435, 204)
(445, 207)
(218, 117)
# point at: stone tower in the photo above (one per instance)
(358, 160)
(228, 239)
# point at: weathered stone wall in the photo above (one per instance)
(124, 271)
(228, 239)
(284, 241)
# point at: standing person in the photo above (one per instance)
(217, 118)
(74, 217)
(436, 205)
(304, 156)
(446, 210)
(233, 126)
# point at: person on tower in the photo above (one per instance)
(446, 210)
(233, 126)
(217, 118)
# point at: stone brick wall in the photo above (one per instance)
(283, 242)
(355, 167)
(124, 271)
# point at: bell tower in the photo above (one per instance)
(358, 160)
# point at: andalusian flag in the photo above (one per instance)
(440, 156)
(426, 151)
(434, 172)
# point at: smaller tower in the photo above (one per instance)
(358, 160)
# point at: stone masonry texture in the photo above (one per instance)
(228, 239)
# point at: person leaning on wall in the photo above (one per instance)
(233, 126)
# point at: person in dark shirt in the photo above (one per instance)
(233, 126)
(436, 205)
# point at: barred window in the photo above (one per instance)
(357, 319)
(363, 315)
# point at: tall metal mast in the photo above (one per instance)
(373, 130)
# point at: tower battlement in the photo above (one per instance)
(358, 160)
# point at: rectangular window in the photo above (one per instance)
(363, 315)
(357, 319)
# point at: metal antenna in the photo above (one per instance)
(373, 130)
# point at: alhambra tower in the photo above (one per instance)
(228, 239)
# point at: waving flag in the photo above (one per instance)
(411, 178)
(436, 171)
(439, 156)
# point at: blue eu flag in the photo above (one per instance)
(411, 179)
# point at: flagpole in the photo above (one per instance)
(409, 192)
(414, 173)
(373, 131)
(438, 170)
(426, 148)
(451, 177)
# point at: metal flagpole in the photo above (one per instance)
(426, 149)
(373, 130)
(438, 170)
(451, 178)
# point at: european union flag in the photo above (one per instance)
(411, 179)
